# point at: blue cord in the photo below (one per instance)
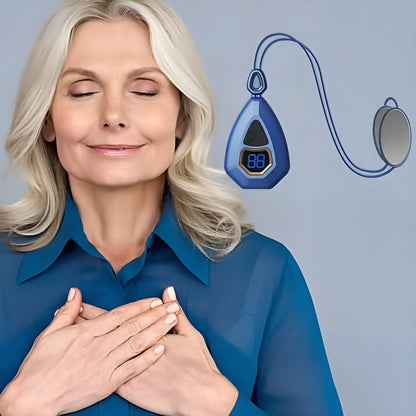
(258, 62)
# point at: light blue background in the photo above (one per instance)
(354, 238)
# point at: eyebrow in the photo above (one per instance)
(132, 74)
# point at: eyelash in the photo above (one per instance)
(142, 94)
(81, 95)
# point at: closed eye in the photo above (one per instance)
(88, 94)
(85, 94)
(144, 94)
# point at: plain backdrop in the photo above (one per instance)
(354, 238)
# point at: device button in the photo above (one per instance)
(255, 135)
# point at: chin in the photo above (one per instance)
(113, 179)
(120, 183)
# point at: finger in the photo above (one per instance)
(68, 313)
(169, 294)
(139, 323)
(136, 366)
(91, 311)
(147, 338)
(183, 327)
(108, 321)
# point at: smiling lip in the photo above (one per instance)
(115, 149)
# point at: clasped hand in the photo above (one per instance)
(87, 353)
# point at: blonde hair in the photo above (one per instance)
(206, 208)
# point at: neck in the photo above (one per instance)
(118, 221)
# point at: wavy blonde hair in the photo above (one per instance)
(207, 209)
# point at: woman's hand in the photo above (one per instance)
(74, 364)
(185, 381)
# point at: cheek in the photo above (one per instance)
(70, 126)
(160, 133)
(160, 126)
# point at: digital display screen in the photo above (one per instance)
(255, 161)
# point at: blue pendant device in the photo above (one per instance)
(257, 156)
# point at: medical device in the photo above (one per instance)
(257, 154)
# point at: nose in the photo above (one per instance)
(113, 114)
(109, 124)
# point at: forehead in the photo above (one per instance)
(98, 41)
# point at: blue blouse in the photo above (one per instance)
(253, 308)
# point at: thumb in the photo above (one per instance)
(69, 312)
(183, 327)
(66, 315)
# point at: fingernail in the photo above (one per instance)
(174, 307)
(170, 319)
(159, 349)
(71, 294)
(81, 309)
(171, 293)
(56, 312)
(155, 303)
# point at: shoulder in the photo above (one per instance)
(259, 272)
(258, 242)
(257, 259)
(4, 248)
(9, 259)
(256, 247)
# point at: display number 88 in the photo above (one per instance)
(256, 161)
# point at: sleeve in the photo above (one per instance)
(293, 376)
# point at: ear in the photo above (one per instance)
(48, 129)
(182, 121)
(180, 129)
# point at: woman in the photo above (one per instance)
(175, 307)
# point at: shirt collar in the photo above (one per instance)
(168, 229)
